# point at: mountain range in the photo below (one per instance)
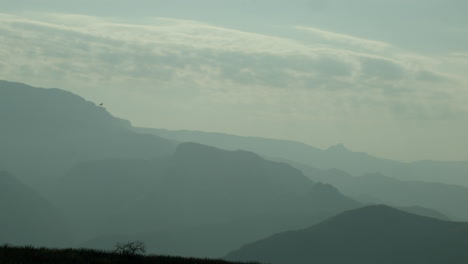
(200, 192)
(335, 157)
(447, 199)
(110, 181)
(74, 175)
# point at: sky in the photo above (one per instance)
(389, 78)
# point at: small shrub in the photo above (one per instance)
(130, 248)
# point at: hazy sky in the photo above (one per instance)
(386, 77)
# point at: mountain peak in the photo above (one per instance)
(338, 148)
(376, 210)
(371, 234)
(379, 217)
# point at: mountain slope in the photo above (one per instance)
(355, 163)
(373, 234)
(93, 191)
(424, 211)
(50, 130)
(27, 218)
(231, 197)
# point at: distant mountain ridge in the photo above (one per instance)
(368, 235)
(51, 130)
(338, 157)
(448, 199)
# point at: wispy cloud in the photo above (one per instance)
(180, 59)
(371, 45)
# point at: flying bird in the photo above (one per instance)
(100, 104)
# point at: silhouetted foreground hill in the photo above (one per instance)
(355, 163)
(44, 132)
(30, 255)
(368, 235)
(28, 218)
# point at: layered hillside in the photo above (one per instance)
(373, 234)
(208, 201)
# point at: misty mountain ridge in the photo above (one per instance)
(447, 199)
(111, 180)
(230, 196)
(18, 101)
(338, 148)
(338, 156)
(372, 234)
(51, 130)
(191, 199)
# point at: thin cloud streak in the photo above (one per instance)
(371, 45)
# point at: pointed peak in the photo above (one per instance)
(379, 213)
(338, 147)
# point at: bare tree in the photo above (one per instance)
(130, 248)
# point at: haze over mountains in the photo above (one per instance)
(112, 181)
(411, 184)
(220, 192)
(338, 157)
(447, 199)
(303, 131)
(88, 179)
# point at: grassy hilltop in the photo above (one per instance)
(31, 255)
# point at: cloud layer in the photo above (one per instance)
(179, 65)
